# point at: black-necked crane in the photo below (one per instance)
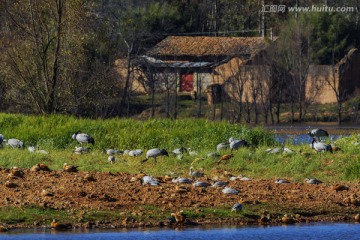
(312, 181)
(318, 132)
(135, 152)
(236, 144)
(83, 138)
(237, 206)
(320, 146)
(111, 159)
(195, 174)
(155, 152)
(14, 143)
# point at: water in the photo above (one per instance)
(299, 231)
(301, 138)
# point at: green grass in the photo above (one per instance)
(13, 215)
(53, 133)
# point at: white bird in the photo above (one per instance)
(83, 138)
(155, 152)
(15, 143)
(228, 190)
(221, 146)
(135, 153)
(111, 159)
(200, 184)
(181, 180)
(312, 181)
(317, 132)
(320, 146)
(195, 174)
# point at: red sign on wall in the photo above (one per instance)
(186, 82)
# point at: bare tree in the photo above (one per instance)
(36, 59)
(235, 87)
(291, 54)
(335, 84)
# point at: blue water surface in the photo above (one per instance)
(299, 231)
(297, 139)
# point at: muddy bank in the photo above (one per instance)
(264, 201)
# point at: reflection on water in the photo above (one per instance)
(299, 231)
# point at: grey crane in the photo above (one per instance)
(312, 181)
(236, 144)
(281, 181)
(195, 174)
(15, 143)
(149, 180)
(219, 184)
(111, 151)
(135, 152)
(318, 132)
(237, 206)
(81, 150)
(83, 138)
(200, 184)
(279, 150)
(111, 159)
(320, 146)
(155, 152)
(228, 190)
(181, 180)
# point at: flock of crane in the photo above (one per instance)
(233, 144)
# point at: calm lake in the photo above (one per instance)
(300, 231)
